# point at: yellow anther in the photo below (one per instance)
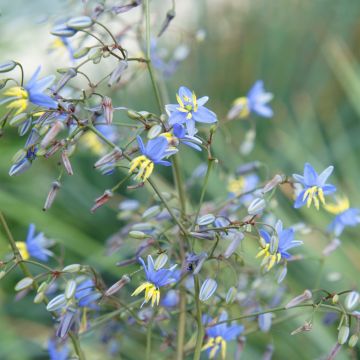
(21, 245)
(145, 167)
(314, 194)
(152, 293)
(21, 101)
(215, 344)
(178, 98)
(341, 204)
(237, 186)
(194, 100)
(244, 103)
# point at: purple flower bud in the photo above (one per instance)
(351, 300)
(275, 181)
(55, 187)
(67, 321)
(264, 321)
(207, 289)
(101, 200)
(65, 78)
(118, 285)
(66, 162)
(256, 206)
(113, 156)
(237, 237)
(117, 73)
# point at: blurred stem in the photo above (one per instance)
(203, 191)
(148, 340)
(181, 325)
(200, 328)
(76, 344)
(148, 55)
(179, 184)
(22, 73)
(319, 273)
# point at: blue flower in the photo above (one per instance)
(256, 101)
(315, 187)
(35, 246)
(86, 294)
(171, 299)
(345, 216)
(179, 136)
(58, 351)
(155, 280)
(153, 153)
(189, 110)
(219, 335)
(276, 247)
(33, 92)
(25, 163)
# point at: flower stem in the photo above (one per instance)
(76, 344)
(148, 340)
(181, 325)
(179, 184)
(200, 328)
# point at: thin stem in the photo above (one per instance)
(76, 344)
(179, 184)
(181, 325)
(203, 191)
(148, 55)
(148, 340)
(200, 328)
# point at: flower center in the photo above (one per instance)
(243, 104)
(236, 185)
(215, 344)
(152, 292)
(187, 105)
(144, 165)
(269, 259)
(20, 102)
(314, 194)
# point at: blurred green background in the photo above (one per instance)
(307, 52)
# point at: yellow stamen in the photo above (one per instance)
(178, 98)
(194, 100)
(21, 245)
(237, 186)
(244, 102)
(215, 344)
(341, 204)
(314, 194)
(152, 293)
(21, 102)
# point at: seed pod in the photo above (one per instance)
(256, 206)
(138, 235)
(351, 300)
(160, 261)
(353, 340)
(56, 303)
(207, 289)
(154, 131)
(343, 334)
(230, 296)
(7, 66)
(24, 283)
(114, 155)
(73, 268)
(206, 219)
(52, 133)
(118, 285)
(70, 289)
(80, 22)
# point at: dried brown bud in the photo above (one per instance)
(103, 199)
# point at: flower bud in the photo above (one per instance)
(307, 326)
(101, 200)
(343, 334)
(114, 155)
(264, 321)
(154, 131)
(81, 52)
(306, 295)
(70, 289)
(73, 268)
(24, 283)
(56, 303)
(335, 299)
(2, 274)
(206, 219)
(151, 212)
(117, 73)
(133, 115)
(203, 235)
(18, 120)
(135, 234)
(231, 295)
(118, 285)
(160, 261)
(65, 78)
(63, 30)
(207, 289)
(282, 275)
(353, 340)
(331, 247)
(108, 110)
(256, 206)
(80, 22)
(7, 66)
(55, 187)
(233, 245)
(351, 300)
(39, 298)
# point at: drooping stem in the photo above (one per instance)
(200, 328)
(76, 344)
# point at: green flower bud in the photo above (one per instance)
(138, 235)
(207, 289)
(160, 261)
(230, 296)
(70, 289)
(7, 66)
(335, 299)
(154, 131)
(353, 340)
(151, 212)
(2, 274)
(24, 283)
(73, 268)
(39, 298)
(343, 334)
(81, 52)
(80, 22)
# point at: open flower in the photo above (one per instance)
(345, 216)
(276, 246)
(179, 135)
(153, 153)
(33, 92)
(189, 110)
(256, 101)
(315, 187)
(35, 246)
(218, 335)
(155, 280)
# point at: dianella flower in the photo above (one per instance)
(153, 153)
(34, 92)
(219, 335)
(179, 136)
(276, 247)
(345, 216)
(189, 110)
(57, 350)
(256, 101)
(35, 246)
(315, 187)
(155, 279)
